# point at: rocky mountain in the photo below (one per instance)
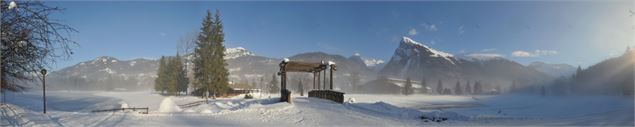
(414, 59)
(232, 53)
(555, 70)
(418, 61)
(97, 73)
(371, 63)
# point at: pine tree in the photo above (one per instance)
(171, 76)
(300, 87)
(440, 87)
(209, 70)
(262, 84)
(408, 87)
(221, 81)
(354, 80)
(181, 75)
(457, 88)
(498, 89)
(202, 57)
(273, 84)
(159, 82)
(514, 87)
(543, 91)
(477, 87)
(424, 86)
(468, 88)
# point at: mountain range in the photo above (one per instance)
(417, 61)
(411, 59)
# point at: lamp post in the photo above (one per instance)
(43, 71)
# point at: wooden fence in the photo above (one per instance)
(123, 109)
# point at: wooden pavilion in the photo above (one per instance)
(319, 71)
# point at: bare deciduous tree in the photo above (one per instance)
(30, 41)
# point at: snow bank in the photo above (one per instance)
(167, 105)
(386, 109)
(123, 104)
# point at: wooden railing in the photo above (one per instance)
(328, 94)
(192, 104)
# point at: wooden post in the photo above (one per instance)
(324, 86)
(313, 80)
(331, 77)
(43, 71)
(318, 79)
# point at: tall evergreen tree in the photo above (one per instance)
(221, 74)
(458, 89)
(408, 87)
(354, 80)
(424, 86)
(181, 75)
(159, 82)
(209, 66)
(468, 88)
(273, 84)
(477, 87)
(440, 87)
(543, 90)
(300, 87)
(513, 87)
(202, 57)
(171, 86)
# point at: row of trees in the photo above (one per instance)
(476, 88)
(172, 76)
(613, 76)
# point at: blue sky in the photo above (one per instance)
(577, 33)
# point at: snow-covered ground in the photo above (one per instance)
(74, 109)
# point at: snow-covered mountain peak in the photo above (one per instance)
(105, 59)
(232, 53)
(371, 62)
(435, 53)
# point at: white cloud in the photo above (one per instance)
(412, 32)
(488, 50)
(536, 53)
(521, 54)
(433, 28)
(545, 52)
(484, 56)
(162, 34)
(430, 27)
(461, 29)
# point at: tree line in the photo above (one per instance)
(467, 88)
(171, 76)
